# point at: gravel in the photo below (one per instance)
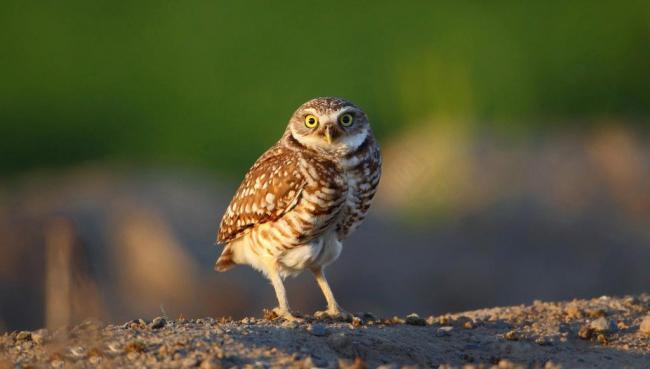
(600, 333)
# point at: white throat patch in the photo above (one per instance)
(342, 145)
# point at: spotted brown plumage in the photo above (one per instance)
(270, 189)
(303, 197)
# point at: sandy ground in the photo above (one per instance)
(605, 332)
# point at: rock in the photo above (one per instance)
(444, 331)
(552, 365)
(356, 322)
(211, 364)
(601, 325)
(645, 326)
(317, 330)
(135, 346)
(367, 316)
(414, 319)
(290, 324)
(247, 320)
(135, 324)
(37, 338)
(78, 351)
(339, 341)
(511, 336)
(24, 336)
(461, 322)
(158, 323)
(596, 313)
(585, 332)
(358, 363)
(190, 362)
(572, 311)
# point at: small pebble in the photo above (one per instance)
(414, 319)
(24, 336)
(572, 311)
(158, 323)
(38, 338)
(356, 322)
(317, 330)
(358, 363)
(601, 325)
(444, 331)
(585, 332)
(78, 351)
(190, 362)
(290, 324)
(645, 326)
(135, 346)
(339, 341)
(596, 313)
(461, 321)
(210, 364)
(512, 336)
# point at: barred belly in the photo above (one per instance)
(280, 242)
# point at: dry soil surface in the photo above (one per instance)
(605, 332)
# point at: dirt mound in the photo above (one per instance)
(600, 333)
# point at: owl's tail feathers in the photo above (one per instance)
(225, 261)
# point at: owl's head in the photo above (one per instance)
(329, 124)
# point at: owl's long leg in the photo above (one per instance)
(282, 310)
(333, 308)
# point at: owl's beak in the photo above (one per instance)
(328, 136)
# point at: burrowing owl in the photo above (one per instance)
(303, 197)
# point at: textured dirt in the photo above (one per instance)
(600, 333)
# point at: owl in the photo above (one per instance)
(303, 197)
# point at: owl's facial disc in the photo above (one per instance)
(330, 125)
(328, 134)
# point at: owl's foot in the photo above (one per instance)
(286, 315)
(336, 314)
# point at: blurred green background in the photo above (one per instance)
(212, 83)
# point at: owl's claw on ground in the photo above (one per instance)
(338, 314)
(286, 315)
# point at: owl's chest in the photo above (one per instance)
(362, 176)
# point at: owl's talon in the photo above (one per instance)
(286, 315)
(338, 314)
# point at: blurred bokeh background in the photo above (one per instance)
(515, 137)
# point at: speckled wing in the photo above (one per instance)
(271, 188)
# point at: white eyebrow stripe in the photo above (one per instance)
(311, 111)
(333, 116)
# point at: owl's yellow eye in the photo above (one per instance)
(311, 121)
(346, 119)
